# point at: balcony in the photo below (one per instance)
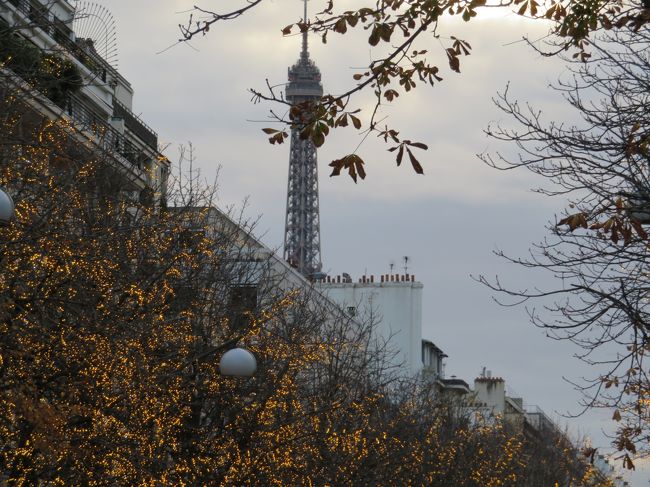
(135, 125)
(64, 94)
(538, 419)
(108, 138)
(40, 17)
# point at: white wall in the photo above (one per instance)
(395, 307)
(491, 391)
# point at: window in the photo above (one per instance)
(243, 300)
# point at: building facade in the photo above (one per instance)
(393, 303)
(91, 96)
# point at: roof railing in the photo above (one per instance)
(107, 136)
(135, 124)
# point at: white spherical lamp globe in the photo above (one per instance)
(238, 362)
(6, 207)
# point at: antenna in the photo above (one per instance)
(392, 264)
(305, 53)
(95, 23)
(406, 264)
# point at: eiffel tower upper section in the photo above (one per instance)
(304, 77)
(302, 225)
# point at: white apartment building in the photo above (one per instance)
(100, 110)
(393, 303)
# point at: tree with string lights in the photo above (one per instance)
(115, 311)
(113, 316)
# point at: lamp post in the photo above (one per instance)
(238, 362)
(235, 361)
(6, 208)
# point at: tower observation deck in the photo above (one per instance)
(302, 225)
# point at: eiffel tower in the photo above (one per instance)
(302, 225)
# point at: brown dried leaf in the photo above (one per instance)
(318, 138)
(373, 40)
(352, 20)
(419, 145)
(640, 231)
(385, 31)
(415, 163)
(399, 155)
(454, 62)
(340, 26)
(336, 166)
(522, 9)
(360, 170)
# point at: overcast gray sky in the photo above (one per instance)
(448, 221)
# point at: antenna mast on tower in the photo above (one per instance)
(302, 224)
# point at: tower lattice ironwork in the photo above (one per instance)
(302, 226)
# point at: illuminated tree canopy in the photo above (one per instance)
(115, 307)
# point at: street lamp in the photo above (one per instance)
(6, 207)
(238, 362)
(235, 361)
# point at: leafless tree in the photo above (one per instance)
(597, 250)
